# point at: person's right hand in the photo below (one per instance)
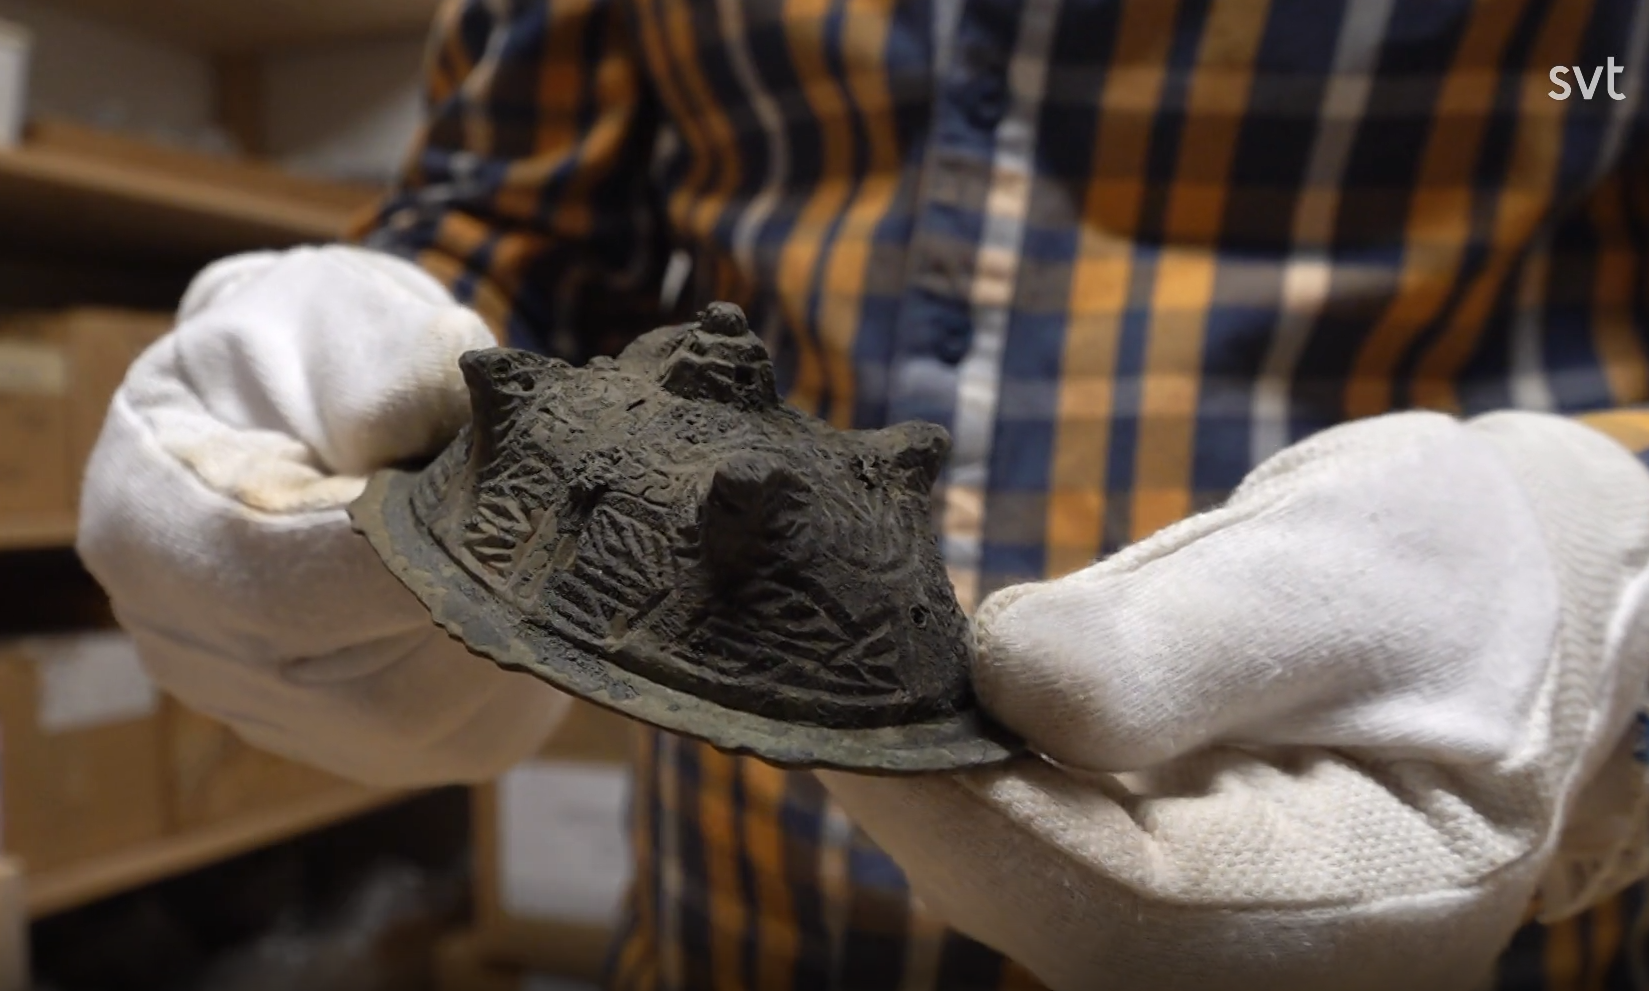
(213, 513)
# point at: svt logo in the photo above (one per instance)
(1588, 86)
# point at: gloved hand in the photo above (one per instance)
(1333, 734)
(213, 513)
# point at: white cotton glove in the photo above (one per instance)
(213, 513)
(1334, 734)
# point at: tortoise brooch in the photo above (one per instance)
(661, 535)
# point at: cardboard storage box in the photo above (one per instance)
(58, 371)
(14, 928)
(461, 965)
(16, 47)
(81, 749)
(552, 858)
(214, 776)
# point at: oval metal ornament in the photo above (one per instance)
(661, 535)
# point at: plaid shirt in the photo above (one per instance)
(1122, 249)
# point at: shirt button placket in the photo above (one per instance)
(985, 90)
(971, 100)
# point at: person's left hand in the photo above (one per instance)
(1337, 733)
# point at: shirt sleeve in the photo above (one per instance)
(528, 191)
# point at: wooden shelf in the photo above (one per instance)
(219, 26)
(68, 185)
(64, 888)
(36, 532)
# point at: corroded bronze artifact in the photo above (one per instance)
(661, 535)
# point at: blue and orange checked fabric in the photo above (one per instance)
(1123, 249)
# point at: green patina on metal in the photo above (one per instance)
(661, 535)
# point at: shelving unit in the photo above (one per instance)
(74, 189)
(213, 25)
(95, 218)
(35, 532)
(70, 186)
(61, 889)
